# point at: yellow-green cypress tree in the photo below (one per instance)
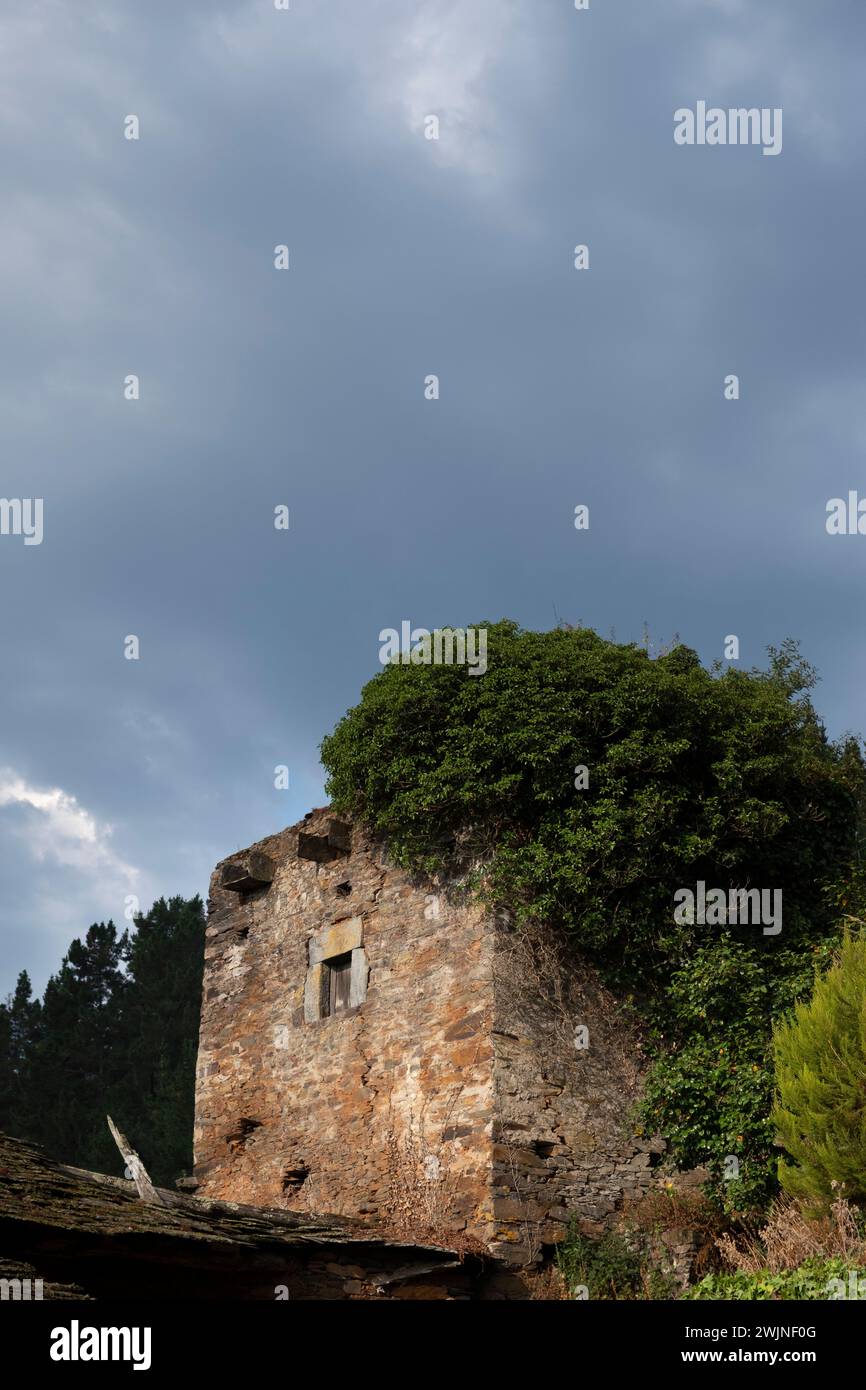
(820, 1059)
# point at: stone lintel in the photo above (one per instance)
(337, 940)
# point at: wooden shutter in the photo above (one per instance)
(339, 979)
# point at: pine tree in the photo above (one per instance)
(117, 1033)
(74, 1066)
(156, 1092)
(20, 1025)
(820, 1057)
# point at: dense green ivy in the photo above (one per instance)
(812, 1280)
(723, 775)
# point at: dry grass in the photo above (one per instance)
(417, 1197)
(790, 1236)
(548, 1285)
(420, 1197)
(667, 1211)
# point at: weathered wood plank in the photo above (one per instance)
(146, 1190)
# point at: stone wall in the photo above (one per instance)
(446, 1095)
(384, 1109)
(568, 1068)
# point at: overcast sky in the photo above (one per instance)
(407, 257)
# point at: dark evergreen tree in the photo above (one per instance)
(155, 1094)
(117, 1033)
(75, 1064)
(20, 1023)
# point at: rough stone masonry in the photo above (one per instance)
(376, 1044)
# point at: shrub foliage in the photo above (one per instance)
(720, 775)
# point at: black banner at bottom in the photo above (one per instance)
(68, 1338)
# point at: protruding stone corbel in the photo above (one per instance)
(322, 849)
(255, 870)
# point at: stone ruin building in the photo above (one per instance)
(378, 1046)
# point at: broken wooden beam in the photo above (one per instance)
(146, 1190)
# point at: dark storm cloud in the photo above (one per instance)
(408, 257)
